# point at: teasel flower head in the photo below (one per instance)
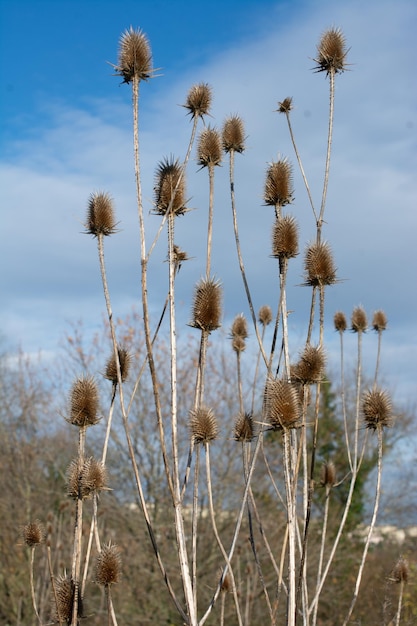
(84, 402)
(359, 321)
(226, 584)
(340, 322)
(108, 565)
(33, 533)
(65, 590)
(239, 333)
(285, 237)
(233, 135)
(265, 315)
(379, 321)
(100, 215)
(207, 306)
(328, 474)
(199, 100)
(125, 359)
(135, 57)
(209, 148)
(85, 478)
(319, 265)
(310, 367)
(377, 409)
(400, 571)
(331, 52)
(170, 188)
(281, 404)
(278, 184)
(244, 427)
(285, 106)
(203, 425)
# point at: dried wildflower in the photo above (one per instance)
(379, 321)
(65, 590)
(240, 327)
(340, 322)
(125, 359)
(285, 237)
(33, 533)
(328, 474)
(135, 57)
(285, 106)
(199, 100)
(203, 425)
(233, 135)
(207, 307)
(244, 427)
(278, 184)
(209, 149)
(377, 409)
(84, 402)
(319, 265)
(170, 188)
(400, 571)
(281, 404)
(226, 584)
(84, 478)
(108, 565)
(310, 367)
(359, 322)
(179, 256)
(100, 215)
(331, 57)
(265, 315)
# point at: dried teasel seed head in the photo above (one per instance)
(33, 533)
(100, 215)
(265, 315)
(199, 100)
(379, 321)
(209, 148)
(331, 52)
(285, 106)
(84, 478)
(207, 306)
(278, 189)
(281, 404)
(203, 425)
(310, 367)
(170, 187)
(239, 333)
(319, 266)
(179, 256)
(377, 409)
(64, 589)
(125, 359)
(108, 565)
(226, 584)
(135, 57)
(233, 134)
(400, 571)
(328, 474)
(359, 321)
(285, 237)
(238, 344)
(244, 427)
(340, 322)
(84, 402)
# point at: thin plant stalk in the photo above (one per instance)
(291, 524)
(322, 546)
(328, 153)
(32, 584)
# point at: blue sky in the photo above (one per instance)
(65, 133)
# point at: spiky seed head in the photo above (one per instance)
(179, 256)
(265, 315)
(84, 478)
(238, 344)
(207, 306)
(226, 584)
(359, 321)
(100, 215)
(125, 359)
(285, 106)
(400, 571)
(209, 148)
(170, 187)
(328, 474)
(285, 237)
(84, 402)
(108, 565)
(33, 533)
(244, 427)
(281, 404)
(135, 57)
(379, 321)
(340, 322)
(331, 52)
(319, 265)
(239, 333)
(377, 409)
(199, 100)
(310, 367)
(203, 425)
(278, 184)
(65, 590)
(233, 135)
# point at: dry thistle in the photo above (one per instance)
(239, 333)
(85, 478)
(359, 322)
(377, 409)
(328, 474)
(65, 590)
(233, 135)
(285, 106)
(244, 427)
(100, 215)
(108, 565)
(135, 57)
(278, 183)
(203, 425)
(125, 359)
(332, 52)
(281, 404)
(340, 322)
(379, 321)
(319, 265)
(310, 367)
(170, 188)
(209, 149)
(207, 307)
(84, 402)
(33, 533)
(199, 100)
(265, 315)
(400, 571)
(285, 238)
